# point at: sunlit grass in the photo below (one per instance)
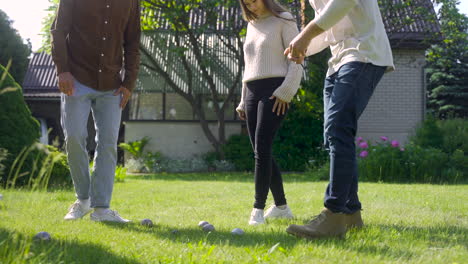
(405, 223)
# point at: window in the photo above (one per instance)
(146, 106)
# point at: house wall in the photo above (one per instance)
(175, 139)
(398, 103)
(394, 110)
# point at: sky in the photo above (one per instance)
(28, 14)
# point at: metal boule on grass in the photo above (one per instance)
(42, 236)
(146, 222)
(237, 231)
(208, 228)
(175, 232)
(202, 223)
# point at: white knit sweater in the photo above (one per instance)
(354, 31)
(266, 40)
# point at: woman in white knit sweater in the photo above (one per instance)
(269, 83)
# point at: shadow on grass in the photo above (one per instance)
(20, 248)
(219, 237)
(219, 176)
(396, 241)
(380, 243)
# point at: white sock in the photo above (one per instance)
(85, 203)
(101, 211)
(282, 207)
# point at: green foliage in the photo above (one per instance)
(447, 135)
(455, 134)
(120, 173)
(450, 136)
(238, 150)
(388, 162)
(38, 167)
(437, 153)
(60, 175)
(13, 48)
(135, 148)
(46, 25)
(298, 144)
(18, 129)
(447, 69)
(3, 156)
(210, 158)
(153, 161)
(428, 134)
(300, 138)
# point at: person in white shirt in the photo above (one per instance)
(361, 53)
(270, 81)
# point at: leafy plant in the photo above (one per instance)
(42, 160)
(120, 173)
(18, 129)
(238, 150)
(135, 148)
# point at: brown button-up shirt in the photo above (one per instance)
(93, 39)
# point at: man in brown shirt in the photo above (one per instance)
(92, 40)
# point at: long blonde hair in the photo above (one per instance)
(271, 5)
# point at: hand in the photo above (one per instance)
(280, 106)
(241, 114)
(297, 49)
(66, 83)
(126, 94)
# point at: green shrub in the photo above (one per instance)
(61, 171)
(3, 156)
(18, 129)
(211, 158)
(455, 135)
(300, 138)
(388, 162)
(120, 173)
(447, 135)
(39, 166)
(135, 148)
(238, 151)
(428, 134)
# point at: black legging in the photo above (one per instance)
(262, 125)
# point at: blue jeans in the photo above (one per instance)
(346, 94)
(106, 111)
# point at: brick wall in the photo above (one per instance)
(397, 105)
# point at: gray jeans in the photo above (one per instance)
(74, 118)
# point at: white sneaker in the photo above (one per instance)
(77, 210)
(108, 216)
(275, 212)
(256, 217)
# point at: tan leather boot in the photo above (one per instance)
(354, 220)
(326, 224)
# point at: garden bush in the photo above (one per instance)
(39, 166)
(387, 161)
(18, 129)
(300, 138)
(3, 156)
(238, 151)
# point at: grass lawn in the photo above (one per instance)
(405, 223)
